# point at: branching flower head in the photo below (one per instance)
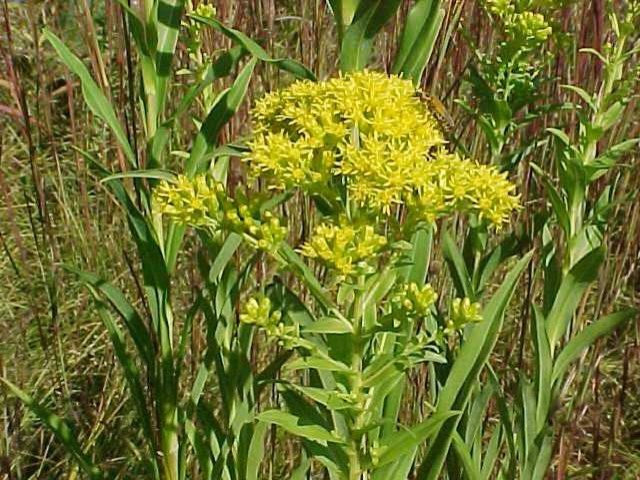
(529, 27)
(202, 202)
(345, 248)
(192, 202)
(371, 132)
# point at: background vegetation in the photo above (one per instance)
(55, 212)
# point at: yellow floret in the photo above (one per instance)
(374, 133)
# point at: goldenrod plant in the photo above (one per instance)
(285, 313)
(505, 83)
(570, 266)
(370, 154)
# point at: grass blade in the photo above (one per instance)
(60, 428)
(95, 98)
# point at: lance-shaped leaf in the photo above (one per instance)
(472, 358)
(586, 337)
(405, 442)
(298, 427)
(169, 16)
(286, 64)
(221, 112)
(369, 18)
(570, 294)
(418, 39)
(95, 98)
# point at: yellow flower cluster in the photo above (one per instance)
(413, 301)
(205, 10)
(527, 27)
(345, 248)
(501, 8)
(372, 131)
(462, 312)
(530, 26)
(258, 311)
(450, 184)
(310, 131)
(203, 203)
(191, 202)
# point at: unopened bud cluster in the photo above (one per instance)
(462, 312)
(258, 311)
(413, 301)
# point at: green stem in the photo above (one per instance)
(355, 461)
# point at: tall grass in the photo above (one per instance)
(557, 395)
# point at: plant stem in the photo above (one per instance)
(355, 464)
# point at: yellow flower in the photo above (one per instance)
(413, 301)
(373, 132)
(203, 203)
(194, 202)
(530, 27)
(345, 248)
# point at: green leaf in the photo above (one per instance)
(472, 357)
(137, 28)
(130, 370)
(559, 206)
(224, 255)
(583, 95)
(312, 283)
(169, 17)
(130, 316)
(343, 11)
(596, 53)
(95, 98)
(318, 363)
(328, 398)
(406, 441)
(544, 367)
(221, 67)
(328, 325)
(221, 112)
(457, 267)
(611, 116)
(418, 39)
(586, 337)
(560, 135)
(369, 18)
(155, 173)
(296, 426)
(570, 293)
(256, 451)
(419, 257)
(462, 452)
(300, 473)
(288, 65)
(59, 427)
